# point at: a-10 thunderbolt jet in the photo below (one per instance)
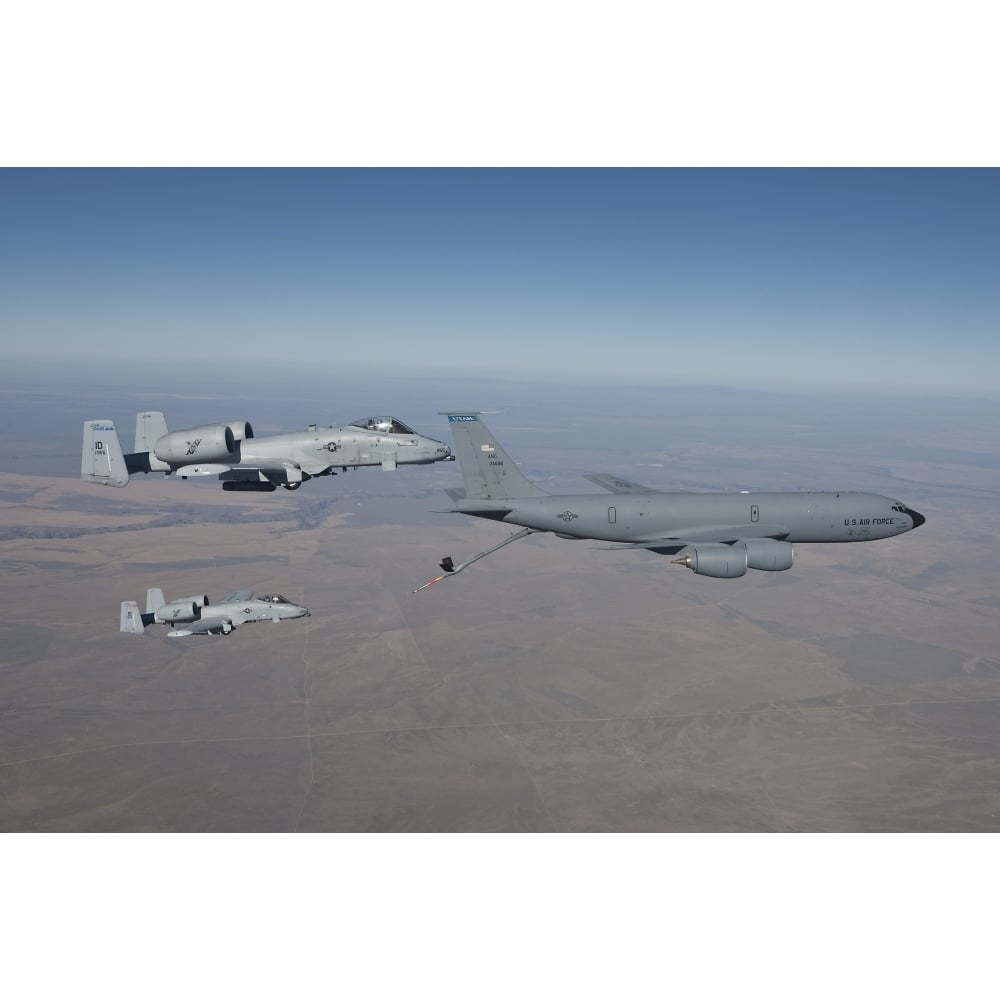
(197, 616)
(715, 534)
(247, 463)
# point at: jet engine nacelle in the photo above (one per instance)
(768, 554)
(199, 600)
(724, 562)
(177, 611)
(242, 431)
(211, 443)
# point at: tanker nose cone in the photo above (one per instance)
(918, 519)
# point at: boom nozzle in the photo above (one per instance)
(450, 569)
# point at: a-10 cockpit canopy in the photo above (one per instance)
(274, 599)
(383, 425)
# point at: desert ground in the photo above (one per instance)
(555, 686)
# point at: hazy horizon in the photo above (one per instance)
(881, 280)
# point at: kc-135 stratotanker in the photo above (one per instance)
(247, 463)
(715, 534)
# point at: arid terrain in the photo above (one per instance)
(555, 686)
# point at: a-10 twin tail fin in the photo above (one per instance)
(103, 461)
(132, 620)
(150, 426)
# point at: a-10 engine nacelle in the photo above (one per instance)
(186, 610)
(199, 600)
(211, 443)
(726, 562)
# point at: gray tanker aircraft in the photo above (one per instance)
(715, 534)
(197, 616)
(247, 463)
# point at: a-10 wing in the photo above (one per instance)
(237, 597)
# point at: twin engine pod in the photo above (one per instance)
(184, 609)
(177, 612)
(211, 443)
(199, 600)
(729, 561)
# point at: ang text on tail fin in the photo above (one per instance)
(103, 461)
(489, 472)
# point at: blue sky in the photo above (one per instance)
(771, 278)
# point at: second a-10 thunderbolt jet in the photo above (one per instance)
(198, 616)
(714, 534)
(247, 463)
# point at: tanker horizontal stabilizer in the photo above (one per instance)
(615, 484)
